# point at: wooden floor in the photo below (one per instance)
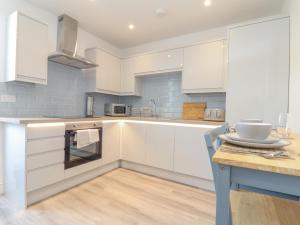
(123, 197)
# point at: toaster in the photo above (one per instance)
(214, 114)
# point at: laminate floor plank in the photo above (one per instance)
(124, 197)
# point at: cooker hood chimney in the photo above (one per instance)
(67, 45)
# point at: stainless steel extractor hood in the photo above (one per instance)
(67, 45)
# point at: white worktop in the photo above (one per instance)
(30, 120)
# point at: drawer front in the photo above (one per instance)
(35, 131)
(45, 176)
(45, 145)
(45, 159)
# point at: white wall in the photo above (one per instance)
(176, 42)
(292, 7)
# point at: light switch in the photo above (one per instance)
(8, 98)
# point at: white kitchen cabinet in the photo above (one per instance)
(134, 143)
(190, 154)
(27, 49)
(160, 146)
(111, 142)
(106, 78)
(130, 84)
(204, 68)
(166, 61)
(258, 78)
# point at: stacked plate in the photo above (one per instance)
(254, 135)
(268, 143)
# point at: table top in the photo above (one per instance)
(282, 166)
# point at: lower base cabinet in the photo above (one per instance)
(133, 143)
(111, 142)
(160, 146)
(181, 149)
(190, 153)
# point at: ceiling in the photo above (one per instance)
(109, 19)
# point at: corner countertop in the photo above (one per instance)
(29, 120)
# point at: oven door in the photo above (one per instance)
(75, 156)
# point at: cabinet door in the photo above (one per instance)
(127, 76)
(159, 62)
(108, 73)
(191, 154)
(32, 50)
(111, 142)
(203, 68)
(258, 78)
(160, 146)
(133, 142)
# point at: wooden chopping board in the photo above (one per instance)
(193, 111)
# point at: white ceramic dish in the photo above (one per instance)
(257, 131)
(268, 140)
(276, 145)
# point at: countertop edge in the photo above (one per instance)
(25, 121)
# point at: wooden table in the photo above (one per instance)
(276, 175)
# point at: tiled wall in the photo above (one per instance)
(63, 96)
(166, 89)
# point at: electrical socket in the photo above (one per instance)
(8, 98)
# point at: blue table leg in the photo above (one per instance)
(223, 216)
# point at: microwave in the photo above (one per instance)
(112, 109)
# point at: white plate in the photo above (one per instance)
(236, 137)
(276, 145)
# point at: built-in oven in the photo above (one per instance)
(79, 148)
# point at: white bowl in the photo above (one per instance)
(252, 121)
(256, 131)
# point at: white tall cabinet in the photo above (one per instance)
(258, 78)
(27, 49)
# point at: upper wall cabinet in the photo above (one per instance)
(130, 84)
(160, 62)
(106, 77)
(204, 68)
(27, 49)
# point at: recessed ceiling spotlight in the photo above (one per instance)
(207, 3)
(160, 12)
(131, 26)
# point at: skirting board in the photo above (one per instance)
(43, 193)
(169, 175)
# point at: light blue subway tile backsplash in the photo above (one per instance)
(166, 90)
(64, 95)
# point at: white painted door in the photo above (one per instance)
(159, 62)
(191, 154)
(258, 78)
(111, 142)
(160, 146)
(133, 146)
(108, 74)
(32, 50)
(203, 68)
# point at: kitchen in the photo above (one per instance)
(77, 109)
